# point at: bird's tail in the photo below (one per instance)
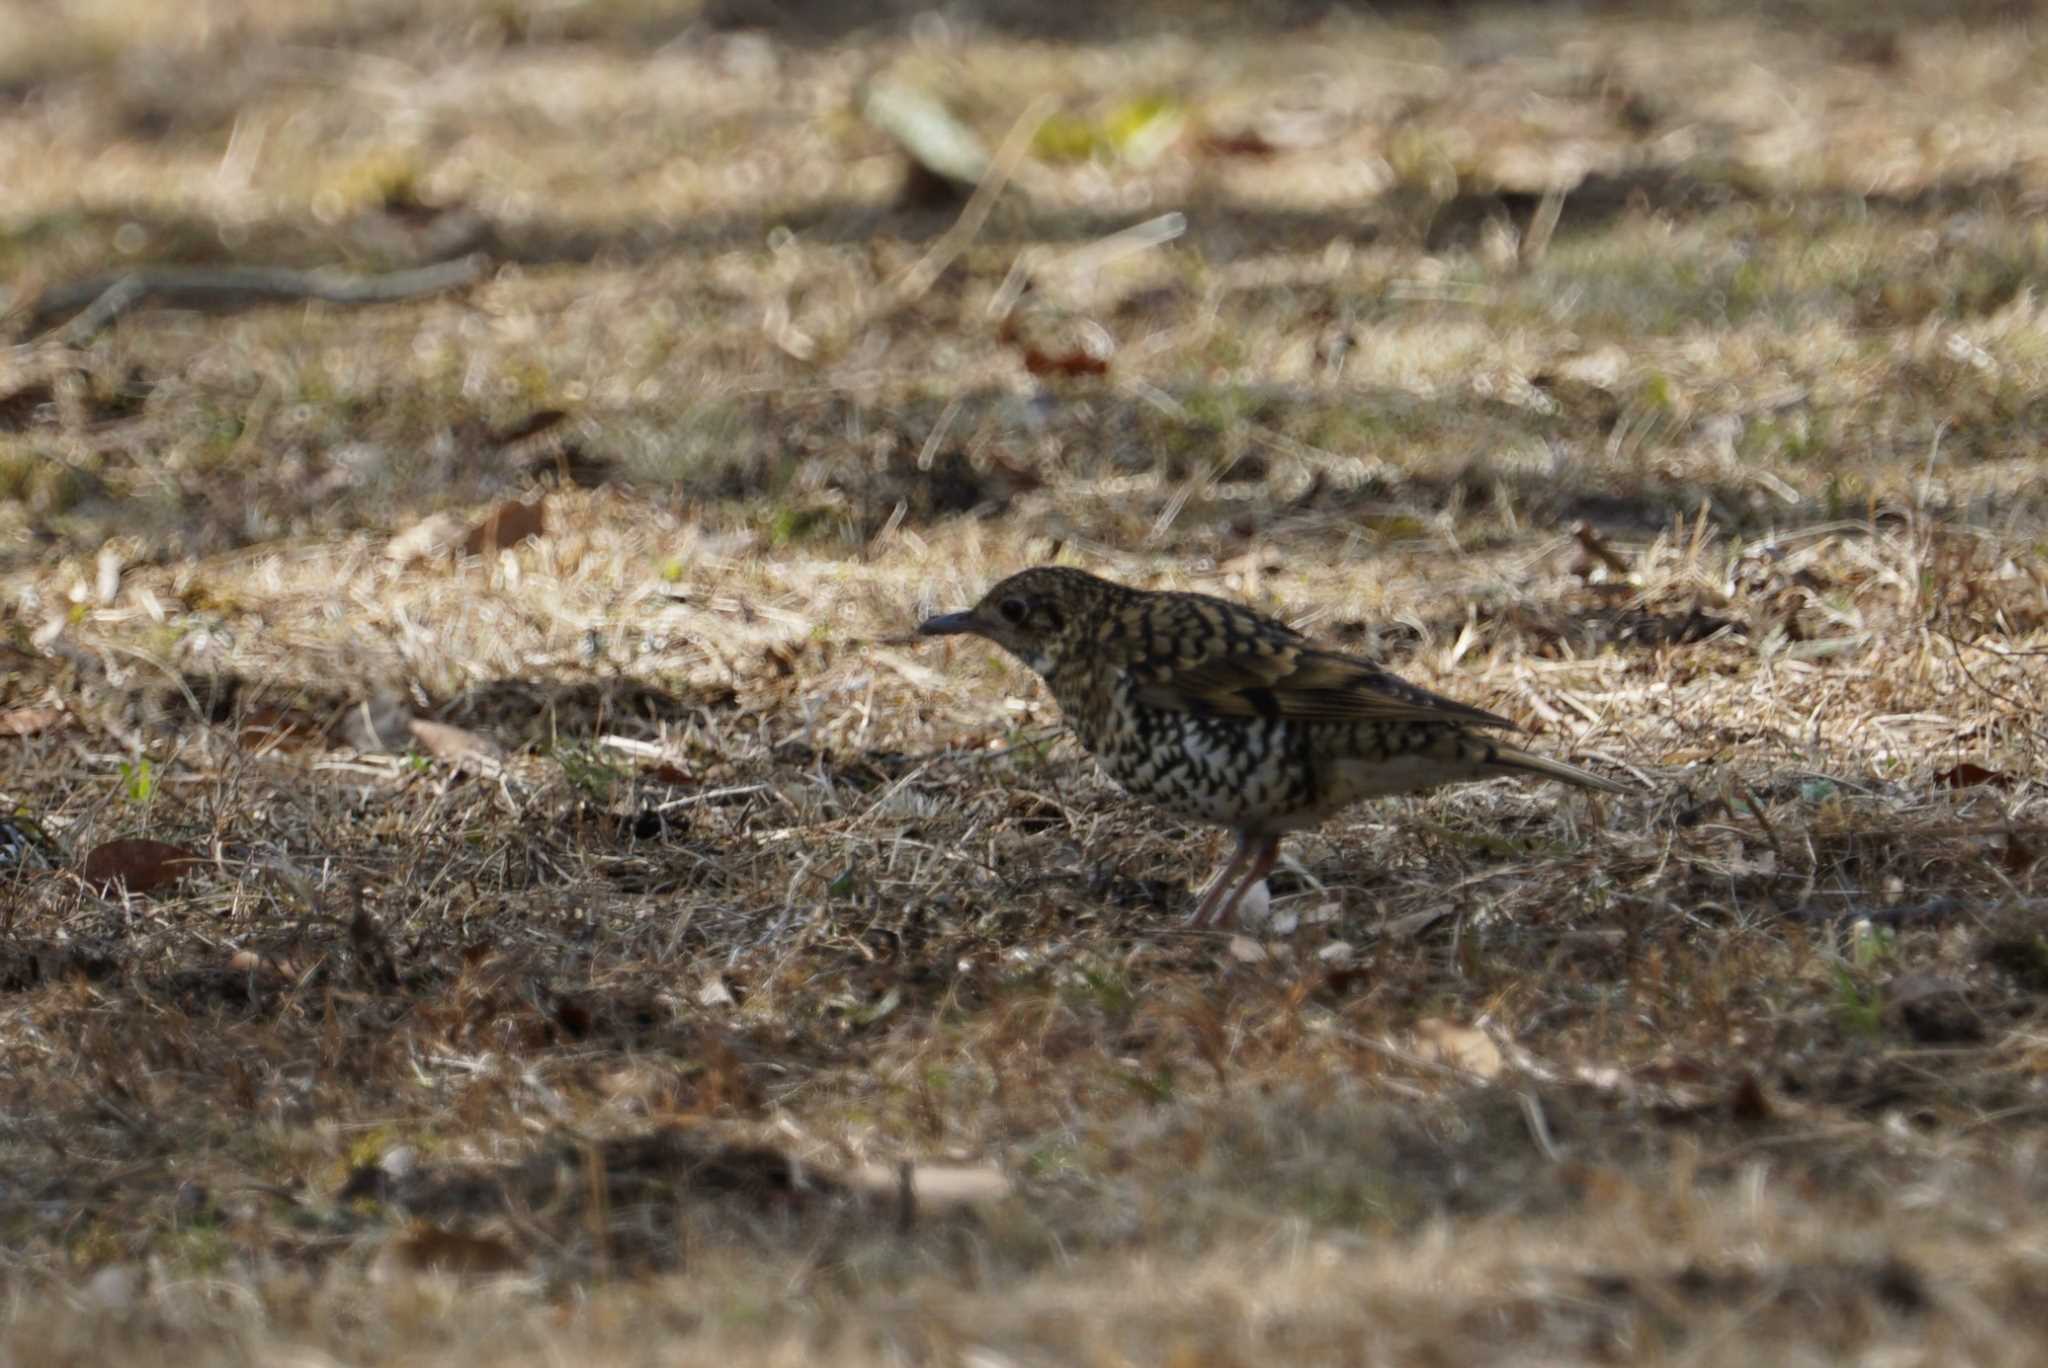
(1528, 762)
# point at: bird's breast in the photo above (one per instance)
(1233, 771)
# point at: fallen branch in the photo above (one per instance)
(104, 298)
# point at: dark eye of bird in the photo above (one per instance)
(1013, 610)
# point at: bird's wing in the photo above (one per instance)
(1273, 676)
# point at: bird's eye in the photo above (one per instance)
(1014, 610)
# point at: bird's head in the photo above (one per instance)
(1033, 614)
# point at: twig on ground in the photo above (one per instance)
(102, 299)
(2019, 709)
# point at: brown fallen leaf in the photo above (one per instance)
(1748, 1104)
(465, 750)
(30, 721)
(136, 863)
(1461, 1047)
(1967, 775)
(509, 524)
(431, 1249)
(574, 1017)
(1236, 142)
(1056, 341)
(1068, 361)
(1270, 132)
(266, 729)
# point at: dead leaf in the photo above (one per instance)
(431, 1249)
(574, 1017)
(1076, 361)
(466, 750)
(267, 729)
(1054, 338)
(1270, 132)
(1747, 1104)
(136, 863)
(1059, 343)
(1967, 775)
(30, 721)
(1246, 950)
(509, 524)
(1238, 142)
(1461, 1047)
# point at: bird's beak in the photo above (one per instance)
(948, 624)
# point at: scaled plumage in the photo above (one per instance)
(1221, 714)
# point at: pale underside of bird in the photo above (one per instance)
(1221, 714)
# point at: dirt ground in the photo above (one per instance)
(488, 878)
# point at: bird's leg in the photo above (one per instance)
(1221, 884)
(1264, 850)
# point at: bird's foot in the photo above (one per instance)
(1247, 870)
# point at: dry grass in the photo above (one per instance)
(598, 1027)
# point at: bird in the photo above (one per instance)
(1224, 715)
